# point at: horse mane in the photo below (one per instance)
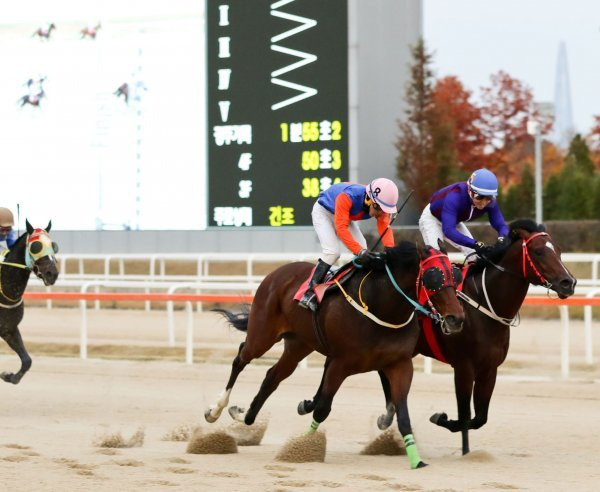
(498, 252)
(404, 254)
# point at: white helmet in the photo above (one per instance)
(384, 192)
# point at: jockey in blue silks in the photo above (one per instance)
(449, 208)
(8, 236)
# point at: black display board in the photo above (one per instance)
(277, 103)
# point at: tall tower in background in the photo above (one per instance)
(563, 123)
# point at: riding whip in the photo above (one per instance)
(393, 219)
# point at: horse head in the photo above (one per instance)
(436, 286)
(538, 258)
(40, 253)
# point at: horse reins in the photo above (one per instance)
(526, 257)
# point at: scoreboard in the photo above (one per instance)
(277, 104)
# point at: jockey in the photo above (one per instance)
(334, 215)
(8, 236)
(448, 209)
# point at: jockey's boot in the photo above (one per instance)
(309, 299)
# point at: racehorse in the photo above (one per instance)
(494, 290)
(44, 32)
(123, 90)
(34, 251)
(349, 338)
(90, 31)
(33, 100)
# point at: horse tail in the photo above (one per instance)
(238, 320)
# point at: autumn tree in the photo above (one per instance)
(519, 200)
(462, 118)
(507, 105)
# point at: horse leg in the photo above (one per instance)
(15, 342)
(213, 412)
(463, 388)
(400, 378)
(307, 406)
(385, 420)
(333, 377)
(485, 381)
(293, 352)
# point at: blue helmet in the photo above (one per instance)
(483, 182)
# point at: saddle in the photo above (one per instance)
(341, 275)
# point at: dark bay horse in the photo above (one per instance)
(44, 32)
(498, 285)
(32, 99)
(34, 252)
(352, 341)
(123, 90)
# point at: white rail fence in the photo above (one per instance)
(203, 281)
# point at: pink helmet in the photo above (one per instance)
(384, 192)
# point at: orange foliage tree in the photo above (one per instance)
(455, 110)
(506, 108)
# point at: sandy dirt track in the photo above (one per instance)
(542, 434)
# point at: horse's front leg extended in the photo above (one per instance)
(386, 419)
(400, 378)
(463, 387)
(213, 412)
(485, 381)
(15, 342)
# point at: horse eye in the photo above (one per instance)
(538, 252)
(36, 247)
(54, 247)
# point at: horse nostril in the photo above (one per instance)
(567, 283)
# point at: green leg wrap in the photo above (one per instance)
(314, 425)
(411, 451)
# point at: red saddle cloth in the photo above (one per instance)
(426, 322)
(320, 289)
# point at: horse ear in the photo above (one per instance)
(49, 226)
(442, 246)
(29, 227)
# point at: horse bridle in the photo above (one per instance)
(526, 259)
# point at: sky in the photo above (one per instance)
(473, 39)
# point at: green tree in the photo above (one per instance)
(580, 152)
(416, 162)
(519, 200)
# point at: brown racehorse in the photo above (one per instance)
(499, 285)
(44, 32)
(353, 342)
(90, 32)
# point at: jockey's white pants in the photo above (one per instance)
(331, 245)
(431, 230)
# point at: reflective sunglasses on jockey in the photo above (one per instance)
(480, 198)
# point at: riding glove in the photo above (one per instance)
(366, 258)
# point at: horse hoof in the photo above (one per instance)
(210, 418)
(303, 407)
(439, 418)
(237, 413)
(421, 464)
(383, 422)
(8, 377)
